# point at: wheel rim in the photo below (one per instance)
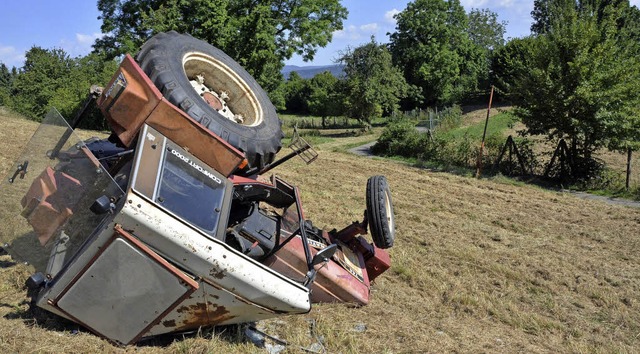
(389, 212)
(242, 103)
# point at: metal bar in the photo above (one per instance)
(283, 160)
(94, 93)
(484, 134)
(553, 158)
(499, 159)
(520, 160)
(303, 233)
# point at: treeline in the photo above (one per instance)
(576, 77)
(51, 78)
(438, 54)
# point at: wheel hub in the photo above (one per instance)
(212, 100)
(222, 89)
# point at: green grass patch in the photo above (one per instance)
(497, 125)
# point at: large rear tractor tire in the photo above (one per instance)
(216, 91)
(380, 212)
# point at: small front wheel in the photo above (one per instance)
(380, 212)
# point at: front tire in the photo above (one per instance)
(196, 77)
(380, 212)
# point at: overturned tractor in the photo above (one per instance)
(171, 224)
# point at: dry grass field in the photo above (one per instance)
(478, 266)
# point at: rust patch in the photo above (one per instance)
(218, 274)
(200, 314)
(169, 323)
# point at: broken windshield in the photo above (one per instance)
(46, 198)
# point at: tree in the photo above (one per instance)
(485, 30)
(510, 63)
(540, 15)
(92, 69)
(43, 72)
(431, 43)
(259, 34)
(50, 78)
(486, 33)
(325, 96)
(6, 81)
(373, 85)
(578, 80)
(296, 92)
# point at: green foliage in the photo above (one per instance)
(50, 78)
(296, 93)
(373, 86)
(487, 33)
(400, 138)
(457, 152)
(6, 81)
(450, 118)
(540, 14)
(44, 72)
(511, 62)
(485, 30)
(450, 148)
(433, 46)
(325, 97)
(579, 79)
(260, 35)
(497, 124)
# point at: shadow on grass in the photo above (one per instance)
(233, 334)
(32, 315)
(554, 184)
(7, 264)
(347, 134)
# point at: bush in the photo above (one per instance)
(450, 117)
(399, 138)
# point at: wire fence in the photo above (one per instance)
(428, 119)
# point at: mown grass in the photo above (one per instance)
(477, 266)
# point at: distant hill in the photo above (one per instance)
(307, 72)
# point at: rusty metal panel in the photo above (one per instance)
(198, 140)
(131, 99)
(333, 282)
(124, 290)
(378, 263)
(128, 100)
(209, 305)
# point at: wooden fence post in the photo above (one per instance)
(628, 168)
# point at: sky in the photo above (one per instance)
(73, 25)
